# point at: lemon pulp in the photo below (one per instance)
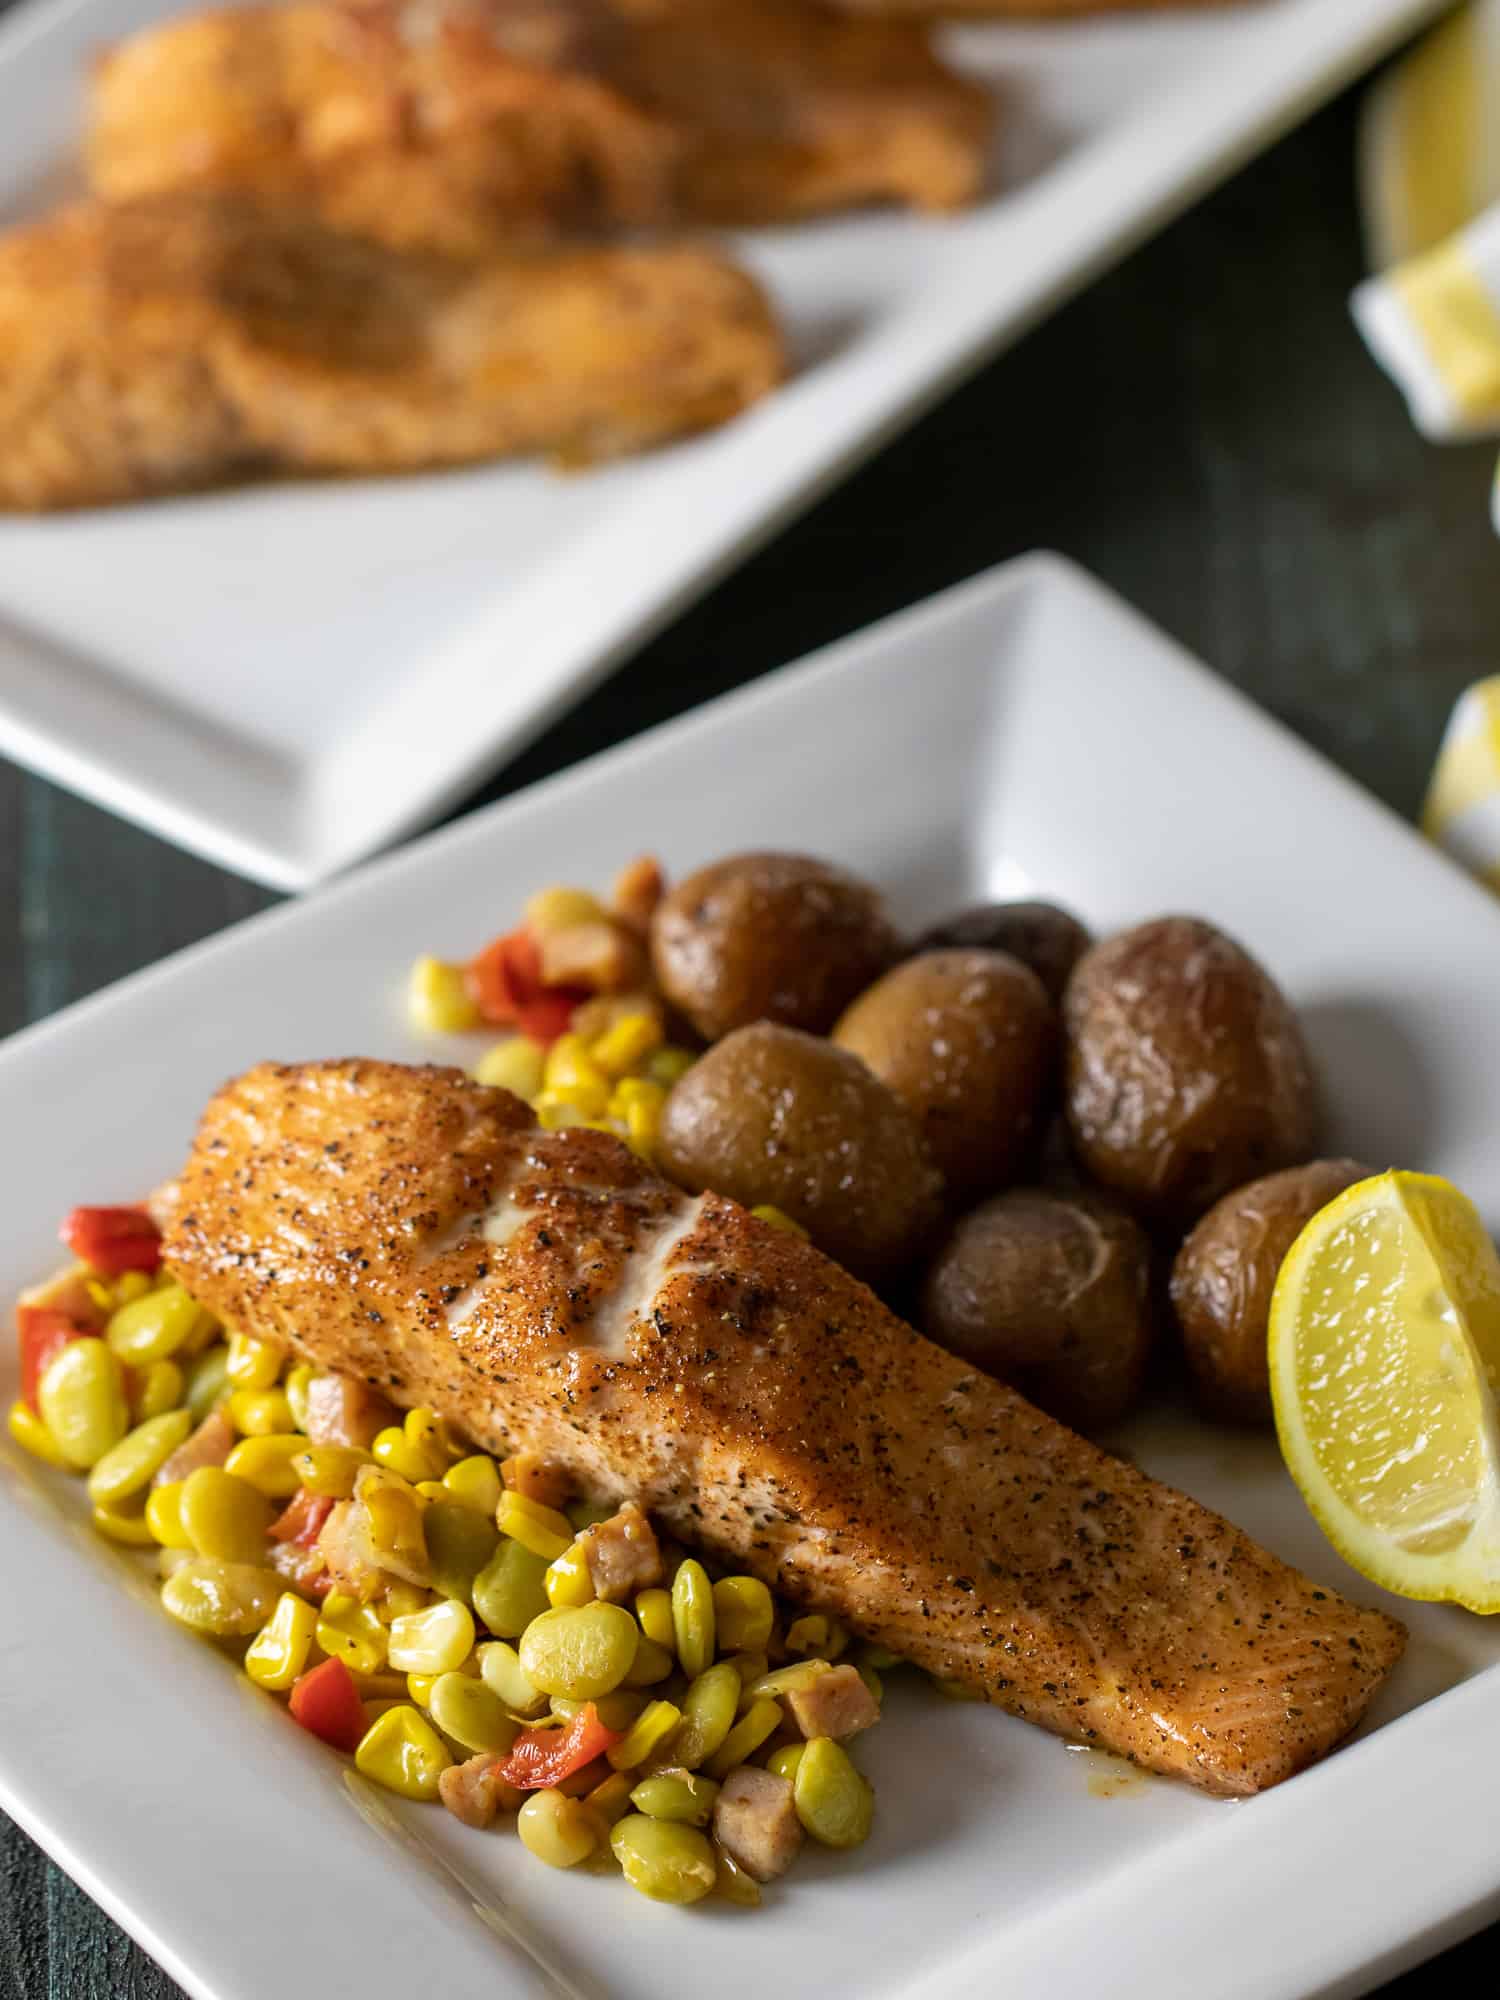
(1385, 1361)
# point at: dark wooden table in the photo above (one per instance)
(1203, 429)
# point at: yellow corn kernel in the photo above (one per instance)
(426, 1431)
(438, 1001)
(82, 1402)
(743, 1613)
(159, 1388)
(435, 1641)
(330, 1470)
(117, 1525)
(653, 1608)
(637, 1105)
(253, 1364)
(646, 1735)
(164, 1516)
(395, 1518)
(558, 908)
(131, 1285)
(475, 1482)
(432, 1489)
(102, 1294)
(652, 1663)
(260, 1412)
(670, 1064)
(515, 1064)
(541, 1529)
(225, 1600)
(224, 1517)
(268, 1464)
(32, 1435)
(279, 1651)
(352, 1633)
(767, 1211)
(130, 1465)
(381, 1705)
(402, 1751)
(561, 1114)
(152, 1327)
(568, 1581)
(297, 1382)
(626, 1043)
(502, 1673)
(394, 1449)
(399, 1600)
(759, 1721)
(817, 1635)
(570, 1072)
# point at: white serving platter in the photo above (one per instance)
(1023, 734)
(287, 677)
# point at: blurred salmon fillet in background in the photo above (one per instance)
(177, 342)
(458, 125)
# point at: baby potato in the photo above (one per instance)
(968, 1042)
(768, 937)
(773, 1115)
(1224, 1275)
(1048, 939)
(1185, 1071)
(1051, 1291)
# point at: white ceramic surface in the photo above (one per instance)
(287, 677)
(1024, 734)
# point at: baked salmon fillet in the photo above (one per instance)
(413, 1228)
(459, 124)
(182, 340)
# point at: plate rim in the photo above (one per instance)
(1441, 1792)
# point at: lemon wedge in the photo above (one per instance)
(1385, 1364)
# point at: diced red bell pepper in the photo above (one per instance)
(327, 1702)
(43, 1332)
(301, 1520)
(112, 1240)
(541, 1757)
(505, 983)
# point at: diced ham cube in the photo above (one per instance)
(341, 1410)
(837, 1704)
(756, 1823)
(535, 1479)
(210, 1444)
(471, 1791)
(623, 1555)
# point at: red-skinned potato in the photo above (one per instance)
(768, 937)
(771, 1115)
(1043, 936)
(1225, 1273)
(968, 1042)
(1049, 1289)
(1185, 1071)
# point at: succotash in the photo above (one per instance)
(469, 1631)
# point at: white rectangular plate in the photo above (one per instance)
(286, 677)
(1025, 734)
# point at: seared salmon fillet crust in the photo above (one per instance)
(548, 1289)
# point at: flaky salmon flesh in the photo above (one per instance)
(549, 1290)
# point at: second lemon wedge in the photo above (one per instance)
(1385, 1363)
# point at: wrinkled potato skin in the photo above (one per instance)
(1050, 1291)
(1225, 1273)
(1185, 1071)
(773, 1115)
(1043, 936)
(968, 1042)
(768, 937)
